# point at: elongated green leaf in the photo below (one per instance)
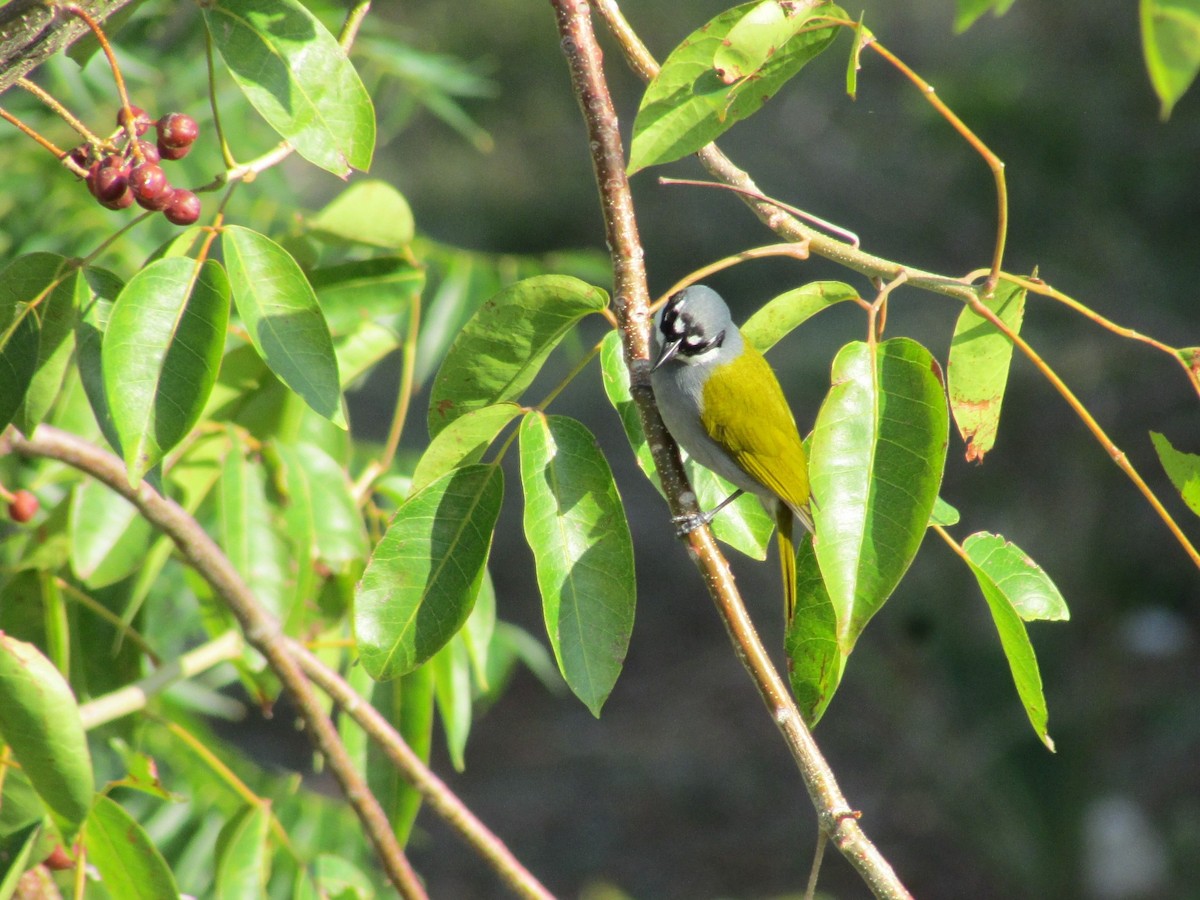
(161, 353)
(463, 441)
(500, 350)
(878, 451)
(743, 524)
(480, 630)
(22, 281)
(298, 78)
(368, 212)
(789, 310)
(425, 572)
(943, 514)
(56, 313)
(452, 688)
(284, 320)
(1182, 468)
(687, 105)
(108, 536)
(753, 39)
(246, 531)
(320, 509)
(129, 864)
(815, 658)
(243, 858)
(1023, 582)
(17, 850)
(98, 290)
(1171, 43)
(1002, 600)
(576, 527)
(977, 370)
(39, 720)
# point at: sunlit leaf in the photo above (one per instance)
(424, 574)
(1022, 581)
(687, 105)
(977, 369)
(109, 536)
(781, 315)
(243, 857)
(56, 313)
(452, 688)
(1182, 468)
(968, 11)
(98, 290)
(368, 212)
(575, 524)
(21, 282)
(463, 441)
(39, 720)
(298, 78)
(815, 657)
(129, 865)
(161, 353)
(1171, 43)
(280, 312)
(500, 350)
(878, 451)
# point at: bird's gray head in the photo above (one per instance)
(693, 327)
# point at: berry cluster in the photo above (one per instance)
(133, 174)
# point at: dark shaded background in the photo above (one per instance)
(683, 788)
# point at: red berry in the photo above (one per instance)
(81, 156)
(166, 152)
(141, 121)
(22, 506)
(149, 151)
(177, 130)
(183, 208)
(107, 183)
(58, 860)
(123, 202)
(149, 186)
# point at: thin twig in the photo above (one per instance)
(29, 132)
(63, 113)
(631, 302)
(259, 628)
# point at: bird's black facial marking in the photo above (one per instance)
(679, 326)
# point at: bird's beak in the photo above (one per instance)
(667, 353)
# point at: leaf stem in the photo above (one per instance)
(796, 250)
(65, 114)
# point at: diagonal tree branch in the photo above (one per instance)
(31, 31)
(631, 299)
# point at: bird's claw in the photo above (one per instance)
(686, 524)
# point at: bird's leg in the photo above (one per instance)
(685, 525)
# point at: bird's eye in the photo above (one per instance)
(696, 344)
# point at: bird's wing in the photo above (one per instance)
(756, 428)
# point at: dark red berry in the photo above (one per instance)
(149, 186)
(183, 208)
(123, 202)
(177, 130)
(107, 183)
(141, 121)
(22, 506)
(58, 860)
(149, 151)
(166, 152)
(81, 156)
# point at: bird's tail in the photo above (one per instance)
(787, 558)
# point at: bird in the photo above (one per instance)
(721, 402)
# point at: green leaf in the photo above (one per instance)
(380, 290)
(575, 524)
(98, 291)
(780, 316)
(687, 105)
(161, 353)
(462, 442)
(321, 511)
(943, 514)
(452, 688)
(977, 370)
(425, 572)
(56, 315)
(359, 351)
(743, 524)
(129, 864)
(500, 350)
(17, 851)
(109, 536)
(878, 451)
(997, 577)
(1182, 468)
(246, 531)
(1023, 582)
(1171, 43)
(479, 631)
(280, 311)
(39, 720)
(298, 78)
(753, 39)
(368, 212)
(968, 11)
(243, 860)
(815, 658)
(22, 281)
